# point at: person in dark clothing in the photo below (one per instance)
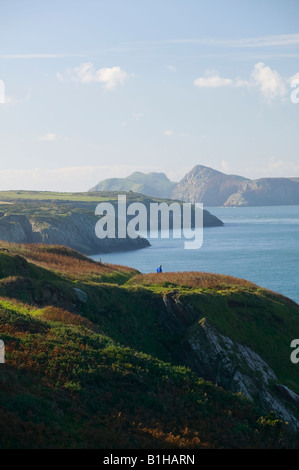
(159, 269)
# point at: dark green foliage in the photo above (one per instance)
(106, 373)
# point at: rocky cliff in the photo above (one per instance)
(214, 188)
(210, 187)
(75, 230)
(224, 361)
(265, 192)
(70, 220)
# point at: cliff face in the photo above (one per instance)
(238, 368)
(75, 230)
(70, 220)
(213, 188)
(230, 364)
(266, 192)
(17, 229)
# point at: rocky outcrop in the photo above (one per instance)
(75, 230)
(81, 296)
(227, 363)
(17, 229)
(72, 223)
(238, 368)
(214, 188)
(266, 192)
(208, 186)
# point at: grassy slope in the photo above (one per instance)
(12, 196)
(95, 197)
(100, 374)
(247, 313)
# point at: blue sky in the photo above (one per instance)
(95, 89)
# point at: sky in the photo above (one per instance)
(97, 89)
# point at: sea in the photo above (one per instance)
(259, 244)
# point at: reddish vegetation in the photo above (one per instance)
(62, 259)
(192, 279)
(63, 316)
(65, 386)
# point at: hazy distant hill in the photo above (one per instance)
(213, 188)
(266, 192)
(210, 187)
(151, 184)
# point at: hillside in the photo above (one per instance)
(68, 219)
(214, 188)
(151, 184)
(266, 192)
(101, 356)
(210, 187)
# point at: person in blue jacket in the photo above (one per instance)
(159, 269)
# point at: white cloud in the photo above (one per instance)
(284, 40)
(171, 68)
(266, 41)
(49, 137)
(212, 82)
(239, 83)
(86, 73)
(168, 133)
(294, 77)
(270, 83)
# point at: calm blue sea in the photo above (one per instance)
(260, 244)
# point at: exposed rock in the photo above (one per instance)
(219, 359)
(214, 188)
(17, 229)
(266, 192)
(76, 230)
(238, 368)
(82, 296)
(208, 186)
(288, 394)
